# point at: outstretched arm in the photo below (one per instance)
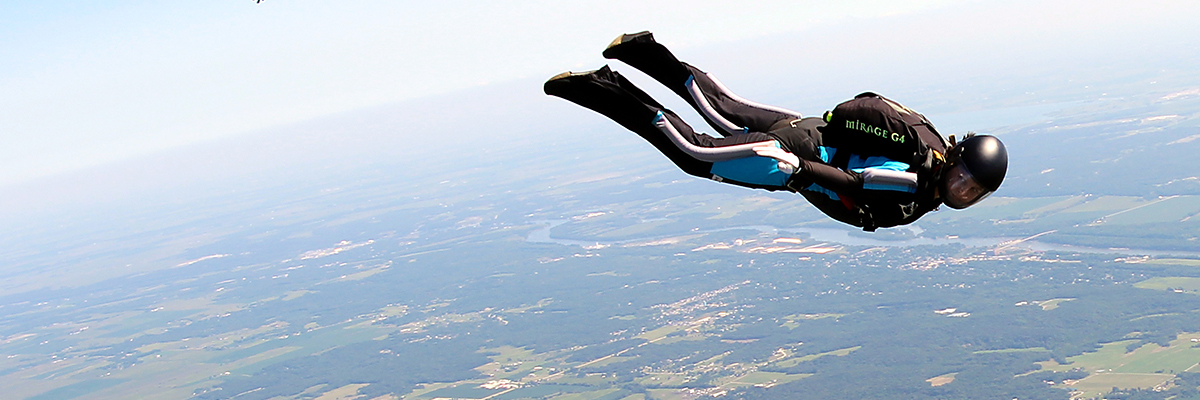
(829, 177)
(838, 180)
(820, 173)
(788, 162)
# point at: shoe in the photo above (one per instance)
(614, 48)
(601, 72)
(568, 78)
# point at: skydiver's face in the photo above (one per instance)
(959, 188)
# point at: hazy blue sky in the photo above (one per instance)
(91, 82)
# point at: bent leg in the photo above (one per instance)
(610, 94)
(721, 108)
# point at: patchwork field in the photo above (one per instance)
(1177, 284)
(1160, 222)
(1146, 367)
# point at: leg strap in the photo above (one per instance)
(709, 154)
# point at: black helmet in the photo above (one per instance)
(974, 169)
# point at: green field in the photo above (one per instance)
(1174, 261)
(1145, 367)
(507, 354)
(606, 394)
(1106, 204)
(542, 391)
(1110, 355)
(1167, 222)
(765, 379)
(304, 344)
(793, 321)
(1178, 357)
(1166, 210)
(1051, 304)
(463, 391)
(606, 361)
(1184, 284)
(791, 362)
(1096, 385)
(659, 333)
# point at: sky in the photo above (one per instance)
(86, 83)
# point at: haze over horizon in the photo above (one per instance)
(92, 83)
(96, 84)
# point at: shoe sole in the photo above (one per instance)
(569, 74)
(628, 37)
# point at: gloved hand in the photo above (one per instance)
(788, 162)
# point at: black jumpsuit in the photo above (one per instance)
(894, 198)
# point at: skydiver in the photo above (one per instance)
(870, 162)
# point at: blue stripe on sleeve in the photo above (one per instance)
(897, 188)
(826, 153)
(763, 171)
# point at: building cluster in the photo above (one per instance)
(952, 312)
(779, 245)
(500, 384)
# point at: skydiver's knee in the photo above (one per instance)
(697, 169)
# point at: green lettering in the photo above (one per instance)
(877, 131)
